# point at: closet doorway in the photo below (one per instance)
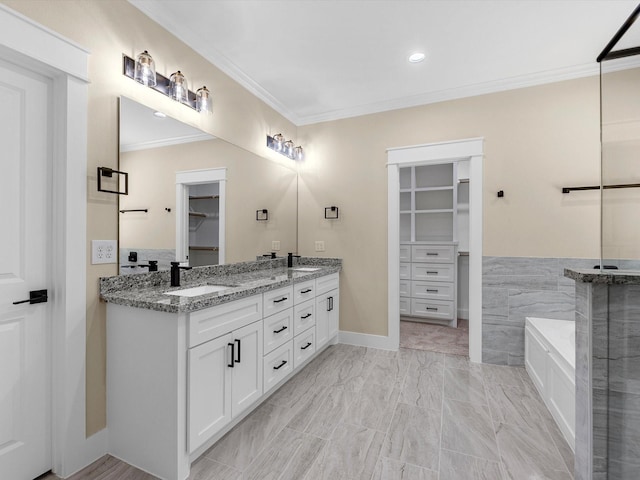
(435, 243)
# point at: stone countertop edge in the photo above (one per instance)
(147, 290)
(610, 277)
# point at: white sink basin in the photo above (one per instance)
(195, 291)
(306, 269)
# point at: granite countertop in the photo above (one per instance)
(611, 277)
(147, 290)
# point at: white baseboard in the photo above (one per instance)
(94, 447)
(366, 340)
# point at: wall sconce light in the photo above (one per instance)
(331, 213)
(143, 70)
(262, 215)
(286, 148)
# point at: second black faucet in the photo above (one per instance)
(175, 273)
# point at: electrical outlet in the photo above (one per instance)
(104, 251)
(319, 245)
(275, 245)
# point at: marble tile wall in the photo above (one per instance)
(514, 288)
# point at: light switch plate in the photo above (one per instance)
(319, 245)
(275, 245)
(104, 251)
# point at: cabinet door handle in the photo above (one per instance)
(284, 327)
(305, 291)
(281, 300)
(284, 362)
(305, 316)
(329, 304)
(306, 346)
(233, 354)
(431, 290)
(432, 309)
(238, 342)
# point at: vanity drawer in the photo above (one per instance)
(304, 291)
(405, 306)
(405, 271)
(278, 329)
(432, 308)
(277, 365)
(432, 290)
(210, 323)
(405, 288)
(432, 253)
(327, 283)
(432, 272)
(277, 300)
(304, 316)
(304, 345)
(405, 253)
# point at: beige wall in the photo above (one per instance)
(253, 183)
(536, 141)
(109, 28)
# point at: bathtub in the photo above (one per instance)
(550, 360)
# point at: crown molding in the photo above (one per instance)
(165, 142)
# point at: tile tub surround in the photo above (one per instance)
(245, 279)
(164, 257)
(360, 413)
(607, 374)
(514, 288)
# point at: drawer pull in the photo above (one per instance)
(306, 346)
(432, 254)
(305, 316)
(239, 347)
(284, 327)
(432, 309)
(431, 273)
(284, 362)
(432, 290)
(305, 291)
(281, 300)
(233, 354)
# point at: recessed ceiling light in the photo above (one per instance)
(159, 114)
(416, 57)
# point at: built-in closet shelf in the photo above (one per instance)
(442, 210)
(210, 249)
(204, 197)
(197, 214)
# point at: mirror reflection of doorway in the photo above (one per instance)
(204, 224)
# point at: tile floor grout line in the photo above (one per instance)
(503, 466)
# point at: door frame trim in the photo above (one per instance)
(468, 149)
(38, 48)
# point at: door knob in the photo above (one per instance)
(35, 296)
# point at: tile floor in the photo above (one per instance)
(357, 413)
(435, 338)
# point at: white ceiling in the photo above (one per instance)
(317, 60)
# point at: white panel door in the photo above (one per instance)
(25, 199)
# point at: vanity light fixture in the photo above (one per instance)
(287, 148)
(416, 57)
(143, 71)
(159, 114)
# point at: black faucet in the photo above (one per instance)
(290, 259)
(153, 266)
(270, 255)
(175, 273)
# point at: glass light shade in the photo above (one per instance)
(178, 89)
(145, 71)
(278, 142)
(288, 148)
(204, 101)
(298, 153)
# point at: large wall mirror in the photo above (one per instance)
(155, 150)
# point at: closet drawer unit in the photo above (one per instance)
(327, 283)
(432, 253)
(405, 271)
(210, 323)
(405, 288)
(304, 316)
(432, 272)
(277, 300)
(304, 345)
(432, 309)
(432, 290)
(277, 365)
(278, 329)
(405, 253)
(405, 306)
(304, 291)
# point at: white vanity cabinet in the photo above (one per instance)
(327, 308)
